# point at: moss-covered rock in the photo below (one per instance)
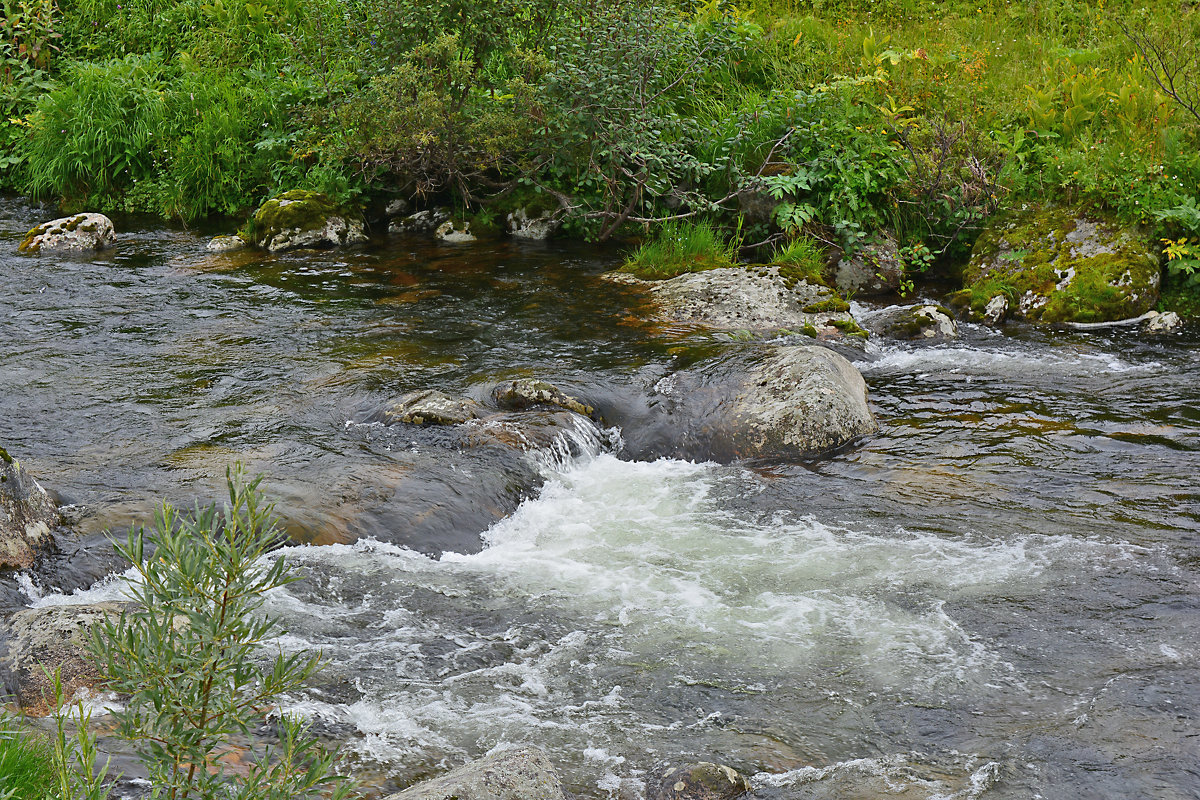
(1055, 265)
(78, 233)
(522, 393)
(922, 323)
(873, 269)
(301, 218)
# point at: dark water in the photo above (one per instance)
(996, 596)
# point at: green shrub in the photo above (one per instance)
(186, 655)
(679, 247)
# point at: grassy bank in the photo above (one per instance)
(832, 118)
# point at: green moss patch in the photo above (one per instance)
(1059, 265)
(299, 210)
(827, 306)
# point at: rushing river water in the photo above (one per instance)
(996, 596)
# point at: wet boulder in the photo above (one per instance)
(755, 401)
(520, 774)
(226, 244)
(755, 298)
(422, 221)
(27, 515)
(55, 637)
(301, 218)
(431, 407)
(1057, 265)
(454, 232)
(554, 434)
(80, 233)
(704, 780)
(875, 268)
(523, 393)
(922, 323)
(1158, 323)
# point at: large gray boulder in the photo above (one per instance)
(27, 515)
(55, 637)
(79, 233)
(1059, 265)
(302, 218)
(521, 774)
(756, 401)
(755, 298)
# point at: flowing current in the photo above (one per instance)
(995, 596)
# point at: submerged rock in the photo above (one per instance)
(520, 774)
(756, 298)
(301, 218)
(431, 407)
(523, 393)
(873, 269)
(50, 638)
(785, 402)
(701, 781)
(78, 233)
(925, 323)
(27, 515)
(1060, 265)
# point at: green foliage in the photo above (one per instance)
(186, 655)
(680, 247)
(801, 259)
(74, 756)
(25, 761)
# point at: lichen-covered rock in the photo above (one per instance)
(431, 407)
(873, 269)
(701, 781)
(520, 774)
(1061, 265)
(536, 227)
(79, 233)
(523, 393)
(756, 298)
(428, 220)
(755, 401)
(27, 515)
(226, 244)
(555, 435)
(301, 218)
(454, 232)
(52, 638)
(925, 323)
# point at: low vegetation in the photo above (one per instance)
(775, 119)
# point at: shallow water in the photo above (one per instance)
(996, 596)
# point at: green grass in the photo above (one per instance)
(801, 259)
(678, 248)
(26, 762)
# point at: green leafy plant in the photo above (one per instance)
(679, 247)
(187, 656)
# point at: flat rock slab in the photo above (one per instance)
(755, 298)
(521, 774)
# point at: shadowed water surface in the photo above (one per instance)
(996, 596)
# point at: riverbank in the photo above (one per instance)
(841, 123)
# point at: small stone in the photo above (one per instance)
(226, 244)
(1159, 323)
(431, 407)
(79, 233)
(449, 232)
(996, 309)
(524, 393)
(704, 780)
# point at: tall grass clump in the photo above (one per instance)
(801, 259)
(26, 762)
(679, 247)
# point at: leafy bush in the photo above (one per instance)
(186, 655)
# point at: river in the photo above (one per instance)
(996, 596)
